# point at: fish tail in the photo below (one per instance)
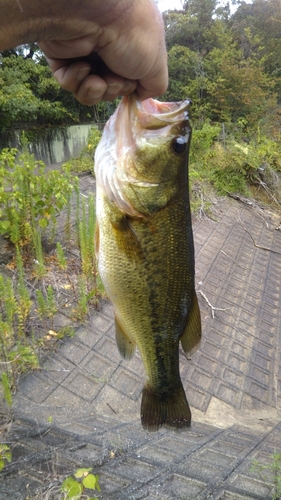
(171, 412)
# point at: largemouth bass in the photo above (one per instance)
(144, 247)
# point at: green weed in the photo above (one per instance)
(5, 455)
(7, 390)
(61, 256)
(47, 306)
(30, 197)
(85, 161)
(270, 473)
(74, 487)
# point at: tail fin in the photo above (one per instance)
(172, 412)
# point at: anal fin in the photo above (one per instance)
(191, 336)
(125, 345)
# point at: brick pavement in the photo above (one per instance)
(232, 383)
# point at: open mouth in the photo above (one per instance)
(153, 114)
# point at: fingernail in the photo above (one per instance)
(95, 93)
(82, 73)
(114, 88)
(129, 87)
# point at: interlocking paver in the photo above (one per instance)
(93, 397)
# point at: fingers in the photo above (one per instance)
(89, 88)
(94, 89)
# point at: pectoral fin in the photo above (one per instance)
(125, 235)
(191, 336)
(125, 345)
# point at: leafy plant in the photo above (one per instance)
(269, 472)
(74, 487)
(90, 284)
(85, 161)
(82, 306)
(86, 227)
(30, 197)
(40, 269)
(24, 357)
(61, 256)
(24, 302)
(47, 306)
(7, 391)
(5, 455)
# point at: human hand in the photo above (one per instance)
(113, 57)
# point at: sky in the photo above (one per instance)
(177, 4)
(169, 4)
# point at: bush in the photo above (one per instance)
(30, 197)
(85, 162)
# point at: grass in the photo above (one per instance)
(36, 285)
(270, 474)
(226, 164)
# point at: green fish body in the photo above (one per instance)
(145, 250)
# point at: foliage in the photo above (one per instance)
(85, 161)
(30, 197)
(230, 166)
(270, 473)
(61, 256)
(230, 66)
(5, 455)
(29, 93)
(90, 285)
(47, 306)
(20, 300)
(74, 487)
(7, 392)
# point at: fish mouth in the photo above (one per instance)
(133, 123)
(153, 114)
(157, 114)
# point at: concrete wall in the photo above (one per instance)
(56, 145)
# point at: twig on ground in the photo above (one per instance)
(111, 408)
(255, 243)
(213, 309)
(9, 362)
(257, 209)
(263, 184)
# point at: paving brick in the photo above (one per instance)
(73, 350)
(97, 367)
(88, 336)
(127, 383)
(251, 486)
(199, 470)
(181, 487)
(57, 367)
(229, 394)
(94, 396)
(37, 387)
(82, 385)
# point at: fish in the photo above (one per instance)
(144, 247)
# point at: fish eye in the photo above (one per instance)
(179, 144)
